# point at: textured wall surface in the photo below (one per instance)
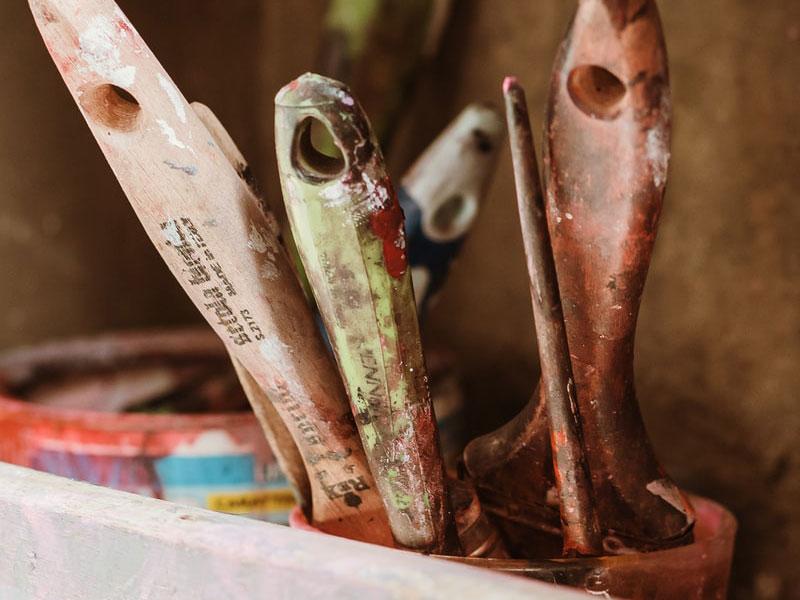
(719, 339)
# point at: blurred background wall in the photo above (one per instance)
(719, 337)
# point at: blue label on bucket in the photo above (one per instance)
(236, 483)
(223, 470)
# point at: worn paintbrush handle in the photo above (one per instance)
(217, 241)
(275, 430)
(576, 501)
(278, 436)
(348, 227)
(376, 47)
(442, 192)
(606, 157)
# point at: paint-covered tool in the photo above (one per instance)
(579, 523)
(348, 227)
(218, 242)
(442, 192)
(376, 47)
(512, 470)
(275, 430)
(606, 157)
(605, 166)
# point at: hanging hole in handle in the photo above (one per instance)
(112, 106)
(315, 153)
(482, 141)
(596, 91)
(452, 218)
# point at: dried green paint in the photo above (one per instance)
(370, 315)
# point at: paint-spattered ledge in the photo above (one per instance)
(71, 540)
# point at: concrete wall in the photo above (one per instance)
(719, 337)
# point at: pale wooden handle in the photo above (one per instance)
(217, 241)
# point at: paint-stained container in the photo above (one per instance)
(61, 412)
(698, 570)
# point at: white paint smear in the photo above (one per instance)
(378, 195)
(668, 492)
(174, 96)
(261, 241)
(345, 98)
(100, 52)
(335, 194)
(170, 134)
(257, 240)
(277, 354)
(657, 145)
(269, 270)
(171, 234)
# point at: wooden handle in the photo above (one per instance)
(275, 430)
(217, 241)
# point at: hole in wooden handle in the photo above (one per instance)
(451, 218)
(596, 91)
(112, 106)
(315, 151)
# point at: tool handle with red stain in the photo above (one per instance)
(348, 227)
(606, 157)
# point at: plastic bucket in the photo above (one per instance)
(216, 461)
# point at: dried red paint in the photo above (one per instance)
(387, 224)
(124, 27)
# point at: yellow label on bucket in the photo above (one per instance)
(261, 501)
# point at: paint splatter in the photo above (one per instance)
(387, 224)
(189, 170)
(261, 241)
(668, 492)
(269, 271)
(170, 134)
(346, 98)
(171, 233)
(335, 194)
(174, 96)
(369, 198)
(657, 144)
(258, 240)
(277, 354)
(100, 53)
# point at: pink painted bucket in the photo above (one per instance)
(219, 461)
